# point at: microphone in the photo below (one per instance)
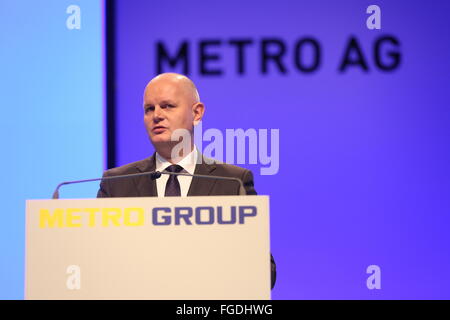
(242, 191)
(153, 175)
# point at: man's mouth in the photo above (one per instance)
(158, 129)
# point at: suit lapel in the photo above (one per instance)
(146, 187)
(201, 186)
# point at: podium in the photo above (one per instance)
(148, 248)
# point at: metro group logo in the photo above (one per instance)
(138, 216)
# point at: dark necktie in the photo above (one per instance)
(173, 186)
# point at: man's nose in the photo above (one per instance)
(158, 114)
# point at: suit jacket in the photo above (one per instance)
(143, 186)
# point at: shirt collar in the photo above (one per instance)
(188, 163)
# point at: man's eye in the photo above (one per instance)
(150, 108)
(167, 105)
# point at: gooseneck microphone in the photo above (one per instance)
(153, 175)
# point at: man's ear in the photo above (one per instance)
(198, 110)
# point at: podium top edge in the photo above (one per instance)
(142, 198)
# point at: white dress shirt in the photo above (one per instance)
(187, 163)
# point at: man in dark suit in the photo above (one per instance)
(172, 108)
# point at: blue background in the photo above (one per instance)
(51, 124)
(364, 156)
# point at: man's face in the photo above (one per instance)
(167, 107)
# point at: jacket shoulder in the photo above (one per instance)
(129, 168)
(226, 169)
(231, 169)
